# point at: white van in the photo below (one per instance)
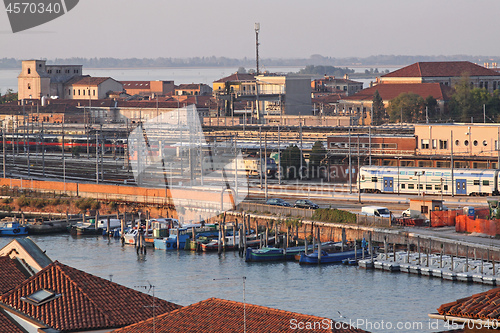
(376, 211)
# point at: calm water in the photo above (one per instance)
(325, 291)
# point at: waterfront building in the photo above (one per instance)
(37, 79)
(148, 88)
(333, 85)
(199, 89)
(267, 94)
(93, 88)
(358, 106)
(447, 73)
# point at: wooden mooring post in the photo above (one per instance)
(318, 231)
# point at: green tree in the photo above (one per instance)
(409, 106)
(290, 162)
(9, 96)
(467, 102)
(316, 159)
(431, 104)
(378, 109)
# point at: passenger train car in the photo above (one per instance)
(436, 181)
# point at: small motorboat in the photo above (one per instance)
(272, 253)
(329, 258)
(12, 229)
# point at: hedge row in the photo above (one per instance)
(333, 215)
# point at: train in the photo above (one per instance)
(429, 181)
(51, 142)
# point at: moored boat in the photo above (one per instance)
(12, 229)
(329, 258)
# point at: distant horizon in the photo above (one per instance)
(249, 63)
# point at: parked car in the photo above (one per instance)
(278, 202)
(376, 211)
(302, 203)
(406, 213)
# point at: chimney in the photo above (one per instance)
(346, 76)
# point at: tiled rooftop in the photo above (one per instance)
(484, 305)
(442, 69)
(7, 325)
(390, 91)
(136, 84)
(86, 301)
(12, 274)
(237, 77)
(87, 80)
(222, 316)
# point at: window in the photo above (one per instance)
(443, 144)
(475, 142)
(83, 92)
(69, 91)
(40, 297)
(93, 92)
(411, 186)
(420, 186)
(437, 187)
(29, 70)
(476, 181)
(403, 186)
(29, 85)
(457, 143)
(466, 143)
(374, 179)
(485, 143)
(66, 71)
(78, 92)
(424, 144)
(445, 187)
(424, 209)
(486, 182)
(428, 187)
(434, 143)
(49, 71)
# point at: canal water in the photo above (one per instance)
(374, 300)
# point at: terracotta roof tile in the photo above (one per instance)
(7, 325)
(12, 273)
(87, 80)
(86, 301)
(389, 91)
(442, 69)
(479, 306)
(222, 316)
(237, 77)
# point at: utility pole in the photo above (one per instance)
(452, 180)
(279, 156)
(350, 163)
(64, 157)
(3, 151)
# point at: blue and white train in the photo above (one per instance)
(432, 181)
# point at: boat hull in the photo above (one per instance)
(329, 258)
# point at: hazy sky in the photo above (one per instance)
(289, 28)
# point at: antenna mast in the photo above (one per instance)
(257, 29)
